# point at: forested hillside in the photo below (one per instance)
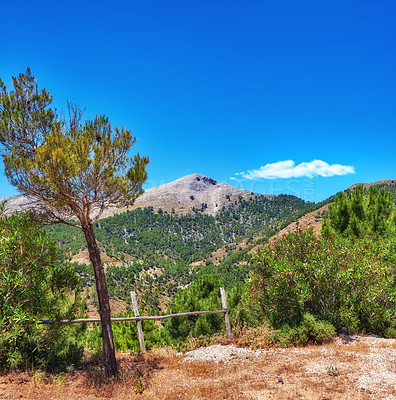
(146, 235)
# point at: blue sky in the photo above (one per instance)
(277, 97)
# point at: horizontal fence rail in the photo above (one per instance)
(139, 318)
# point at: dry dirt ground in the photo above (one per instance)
(360, 368)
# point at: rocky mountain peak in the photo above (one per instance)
(190, 191)
(201, 183)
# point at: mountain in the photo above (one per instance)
(15, 204)
(184, 195)
(151, 235)
(190, 192)
(181, 197)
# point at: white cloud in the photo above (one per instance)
(289, 169)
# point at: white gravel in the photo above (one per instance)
(219, 353)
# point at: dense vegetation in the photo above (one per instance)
(388, 187)
(34, 286)
(300, 289)
(159, 281)
(157, 248)
(157, 285)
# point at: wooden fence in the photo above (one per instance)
(139, 318)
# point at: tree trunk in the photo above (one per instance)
(109, 358)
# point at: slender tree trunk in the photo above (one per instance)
(109, 358)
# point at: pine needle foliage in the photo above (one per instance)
(360, 212)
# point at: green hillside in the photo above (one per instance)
(149, 236)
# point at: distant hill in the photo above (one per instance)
(385, 182)
(15, 204)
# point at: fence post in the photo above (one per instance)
(138, 322)
(226, 317)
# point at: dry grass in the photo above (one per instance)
(364, 369)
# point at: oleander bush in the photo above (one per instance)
(341, 280)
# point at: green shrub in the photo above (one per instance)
(35, 286)
(310, 331)
(202, 295)
(126, 336)
(359, 212)
(390, 333)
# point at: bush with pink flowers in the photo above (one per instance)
(336, 279)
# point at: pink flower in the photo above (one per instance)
(76, 312)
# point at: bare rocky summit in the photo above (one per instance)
(188, 192)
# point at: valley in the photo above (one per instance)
(179, 231)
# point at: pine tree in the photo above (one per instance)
(360, 212)
(72, 171)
